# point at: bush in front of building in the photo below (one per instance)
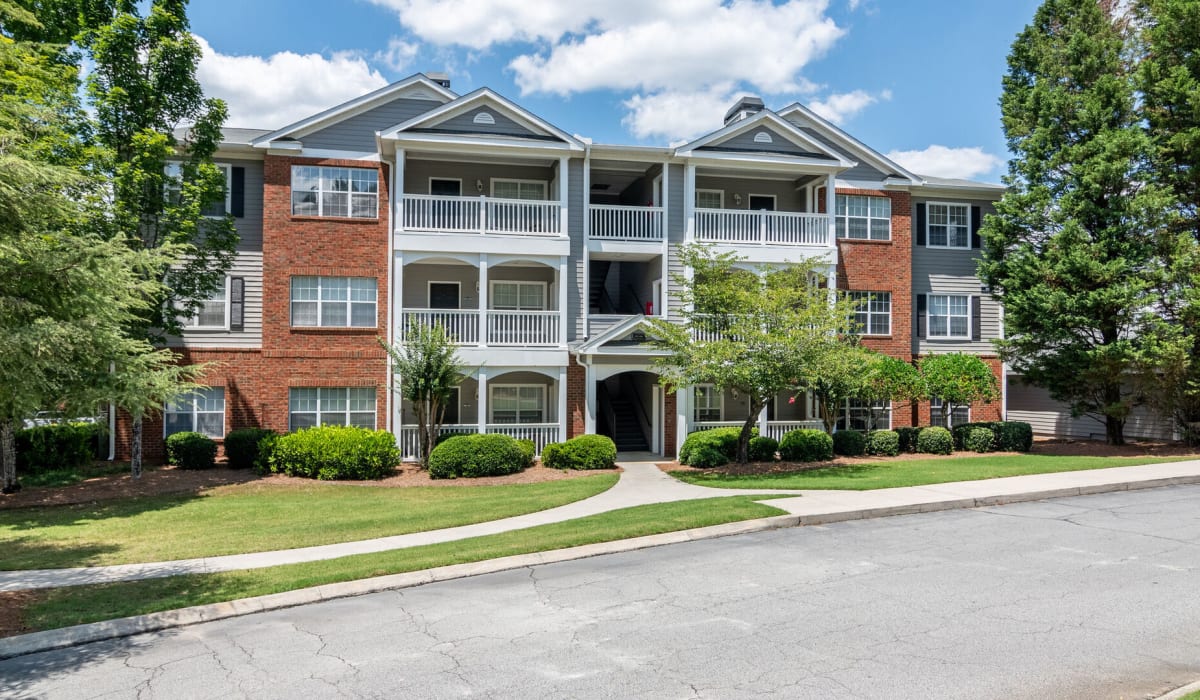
(476, 455)
(711, 448)
(332, 452)
(908, 438)
(1014, 436)
(243, 447)
(806, 445)
(884, 443)
(963, 430)
(57, 446)
(191, 451)
(935, 440)
(582, 452)
(762, 448)
(980, 440)
(849, 443)
(528, 451)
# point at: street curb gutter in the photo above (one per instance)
(1181, 692)
(49, 640)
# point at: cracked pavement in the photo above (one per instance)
(1086, 597)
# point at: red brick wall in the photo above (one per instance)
(671, 424)
(576, 399)
(980, 411)
(884, 266)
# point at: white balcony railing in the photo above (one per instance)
(444, 214)
(410, 444)
(542, 434)
(762, 227)
(775, 428)
(461, 325)
(523, 327)
(620, 223)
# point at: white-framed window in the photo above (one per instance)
(334, 302)
(937, 408)
(948, 225)
(949, 316)
(508, 188)
(312, 406)
(202, 411)
(710, 199)
(517, 403)
(518, 296)
(215, 210)
(213, 312)
(863, 217)
(708, 403)
(348, 193)
(865, 415)
(874, 312)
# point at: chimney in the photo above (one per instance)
(440, 78)
(745, 107)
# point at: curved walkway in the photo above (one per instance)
(641, 483)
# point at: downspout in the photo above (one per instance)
(112, 422)
(391, 261)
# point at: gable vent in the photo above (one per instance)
(763, 137)
(484, 118)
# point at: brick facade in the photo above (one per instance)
(980, 411)
(576, 400)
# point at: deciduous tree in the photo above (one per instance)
(428, 369)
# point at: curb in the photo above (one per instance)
(1181, 692)
(35, 642)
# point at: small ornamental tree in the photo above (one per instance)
(428, 369)
(891, 379)
(836, 376)
(958, 380)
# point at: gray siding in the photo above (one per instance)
(1033, 405)
(465, 123)
(417, 277)
(249, 226)
(577, 262)
(249, 266)
(859, 172)
(357, 133)
(418, 172)
(676, 232)
(942, 271)
(787, 198)
(745, 142)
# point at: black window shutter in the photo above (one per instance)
(237, 303)
(237, 192)
(976, 318)
(922, 315)
(976, 222)
(921, 225)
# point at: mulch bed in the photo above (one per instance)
(12, 608)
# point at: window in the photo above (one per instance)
(338, 192)
(710, 199)
(309, 407)
(445, 186)
(202, 411)
(213, 313)
(949, 226)
(761, 202)
(864, 218)
(217, 209)
(937, 413)
(518, 189)
(518, 296)
(874, 315)
(949, 316)
(334, 302)
(518, 403)
(865, 415)
(708, 403)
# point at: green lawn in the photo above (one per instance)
(915, 472)
(71, 606)
(258, 517)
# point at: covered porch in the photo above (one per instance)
(711, 408)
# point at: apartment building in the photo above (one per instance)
(542, 254)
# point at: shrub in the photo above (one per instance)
(335, 452)
(585, 452)
(57, 446)
(980, 440)
(711, 448)
(960, 433)
(908, 438)
(476, 455)
(528, 450)
(266, 448)
(191, 451)
(850, 443)
(242, 446)
(805, 445)
(883, 442)
(763, 449)
(550, 453)
(935, 441)
(1014, 436)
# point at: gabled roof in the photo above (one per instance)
(766, 117)
(358, 105)
(851, 144)
(614, 332)
(479, 98)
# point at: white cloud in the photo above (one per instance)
(272, 91)
(677, 116)
(399, 54)
(941, 161)
(840, 107)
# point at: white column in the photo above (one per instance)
(831, 283)
(762, 422)
(563, 193)
(830, 204)
(589, 392)
(562, 404)
(481, 404)
(398, 192)
(483, 298)
(666, 247)
(563, 270)
(689, 202)
(683, 417)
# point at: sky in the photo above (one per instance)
(917, 80)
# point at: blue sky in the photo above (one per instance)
(918, 79)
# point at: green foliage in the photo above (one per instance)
(336, 452)
(884, 443)
(958, 379)
(838, 375)
(242, 446)
(428, 369)
(550, 453)
(1014, 436)
(711, 448)
(961, 432)
(763, 448)
(528, 451)
(849, 443)
(935, 440)
(908, 438)
(980, 440)
(805, 445)
(58, 446)
(191, 451)
(583, 452)
(476, 455)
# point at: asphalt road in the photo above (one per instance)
(1092, 597)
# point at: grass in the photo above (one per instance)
(256, 517)
(1191, 696)
(915, 472)
(69, 476)
(63, 607)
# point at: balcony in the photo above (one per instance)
(480, 215)
(503, 328)
(622, 223)
(762, 227)
(776, 429)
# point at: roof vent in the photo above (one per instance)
(745, 107)
(440, 78)
(763, 137)
(484, 118)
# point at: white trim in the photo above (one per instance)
(929, 222)
(720, 394)
(484, 117)
(837, 135)
(774, 201)
(228, 168)
(518, 181)
(941, 406)
(696, 196)
(193, 412)
(348, 302)
(545, 408)
(763, 136)
(191, 324)
(783, 128)
(350, 194)
(948, 316)
(463, 104)
(492, 294)
(871, 296)
(429, 292)
(318, 413)
(845, 218)
(430, 179)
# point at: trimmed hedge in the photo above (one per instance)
(908, 438)
(476, 455)
(935, 441)
(335, 452)
(849, 443)
(883, 442)
(582, 452)
(58, 446)
(191, 451)
(1010, 436)
(528, 451)
(242, 447)
(762, 448)
(806, 445)
(711, 448)
(550, 453)
(980, 440)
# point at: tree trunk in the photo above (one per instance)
(1114, 430)
(135, 446)
(424, 449)
(8, 457)
(743, 447)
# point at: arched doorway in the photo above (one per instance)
(629, 408)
